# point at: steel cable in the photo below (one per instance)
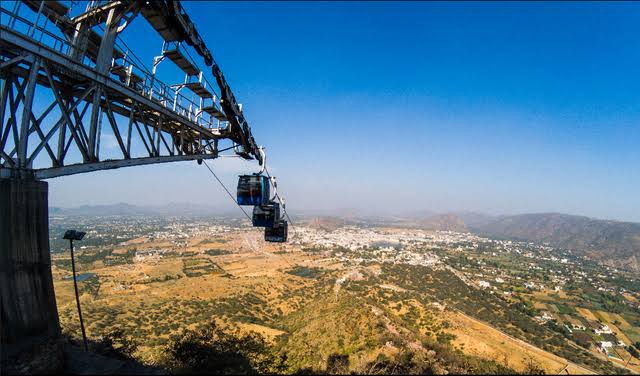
(241, 208)
(227, 190)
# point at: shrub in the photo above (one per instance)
(210, 350)
(115, 343)
(337, 364)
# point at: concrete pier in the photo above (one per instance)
(29, 314)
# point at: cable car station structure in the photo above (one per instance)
(68, 82)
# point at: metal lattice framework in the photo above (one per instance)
(66, 87)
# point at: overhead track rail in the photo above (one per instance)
(169, 18)
(98, 91)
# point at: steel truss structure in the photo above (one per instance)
(86, 87)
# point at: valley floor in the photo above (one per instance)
(306, 303)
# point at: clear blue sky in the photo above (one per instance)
(494, 107)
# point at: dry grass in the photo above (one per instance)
(587, 314)
(483, 340)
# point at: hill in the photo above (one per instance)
(612, 243)
(443, 222)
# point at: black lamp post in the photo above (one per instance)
(76, 235)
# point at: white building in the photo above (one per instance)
(484, 284)
(604, 346)
(604, 329)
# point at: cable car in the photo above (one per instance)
(266, 215)
(276, 234)
(253, 190)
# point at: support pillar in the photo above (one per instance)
(30, 327)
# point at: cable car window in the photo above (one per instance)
(266, 215)
(276, 234)
(253, 190)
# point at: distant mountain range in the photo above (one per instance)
(124, 209)
(611, 243)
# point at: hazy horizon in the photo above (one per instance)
(230, 209)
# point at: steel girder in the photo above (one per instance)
(166, 135)
(85, 100)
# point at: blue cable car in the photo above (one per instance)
(266, 215)
(276, 234)
(253, 190)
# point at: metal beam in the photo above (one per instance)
(28, 64)
(30, 88)
(48, 173)
(11, 62)
(4, 94)
(65, 115)
(116, 131)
